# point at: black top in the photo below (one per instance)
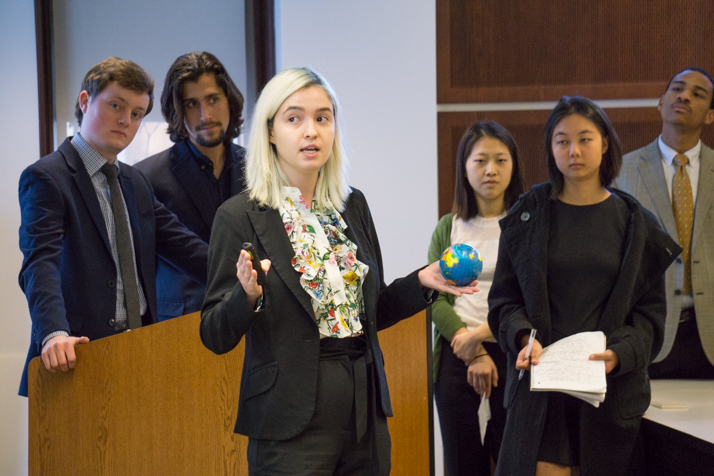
(217, 190)
(585, 250)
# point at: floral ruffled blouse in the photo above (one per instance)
(325, 257)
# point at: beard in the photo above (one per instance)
(202, 141)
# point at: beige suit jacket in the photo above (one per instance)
(642, 176)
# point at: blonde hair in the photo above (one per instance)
(264, 177)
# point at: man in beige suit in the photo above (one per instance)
(673, 177)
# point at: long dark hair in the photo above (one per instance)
(465, 205)
(190, 67)
(611, 159)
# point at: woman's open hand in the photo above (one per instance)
(430, 277)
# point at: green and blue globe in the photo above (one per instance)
(460, 264)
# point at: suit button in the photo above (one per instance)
(677, 292)
(111, 283)
(525, 216)
(679, 260)
(112, 322)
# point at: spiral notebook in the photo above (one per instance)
(564, 367)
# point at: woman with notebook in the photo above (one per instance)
(575, 256)
(468, 364)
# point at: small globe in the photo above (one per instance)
(460, 264)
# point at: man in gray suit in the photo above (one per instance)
(673, 177)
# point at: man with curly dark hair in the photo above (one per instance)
(203, 169)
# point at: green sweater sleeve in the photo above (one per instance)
(447, 322)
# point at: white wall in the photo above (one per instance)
(380, 57)
(152, 33)
(19, 135)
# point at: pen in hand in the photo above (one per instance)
(528, 351)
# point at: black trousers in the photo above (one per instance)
(329, 445)
(687, 359)
(457, 403)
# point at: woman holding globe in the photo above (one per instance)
(576, 255)
(313, 397)
(467, 362)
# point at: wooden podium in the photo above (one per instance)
(155, 401)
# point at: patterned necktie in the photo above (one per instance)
(124, 248)
(683, 208)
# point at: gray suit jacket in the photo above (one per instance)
(642, 176)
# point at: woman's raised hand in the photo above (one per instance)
(431, 277)
(248, 277)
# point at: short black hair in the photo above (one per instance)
(698, 70)
(611, 159)
(190, 67)
(465, 205)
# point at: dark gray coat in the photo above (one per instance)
(633, 321)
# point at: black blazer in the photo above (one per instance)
(282, 346)
(172, 175)
(68, 273)
(633, 321)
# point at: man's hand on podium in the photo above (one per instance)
(58, 352)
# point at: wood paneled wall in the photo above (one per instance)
(510, 50)
(493, 51)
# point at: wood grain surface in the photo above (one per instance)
(512, 51)
(155, 401)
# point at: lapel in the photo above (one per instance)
(705, 190)
(650, 167)
(526, 236)
(86, 189)
(127, 188)
(185, 168)
(648, 253)
(622, 294)
(270, 230)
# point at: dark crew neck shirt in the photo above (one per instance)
(586, 245)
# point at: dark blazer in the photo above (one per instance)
(68, 273)
(633, 321)
(172, 174)
(282, 343)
